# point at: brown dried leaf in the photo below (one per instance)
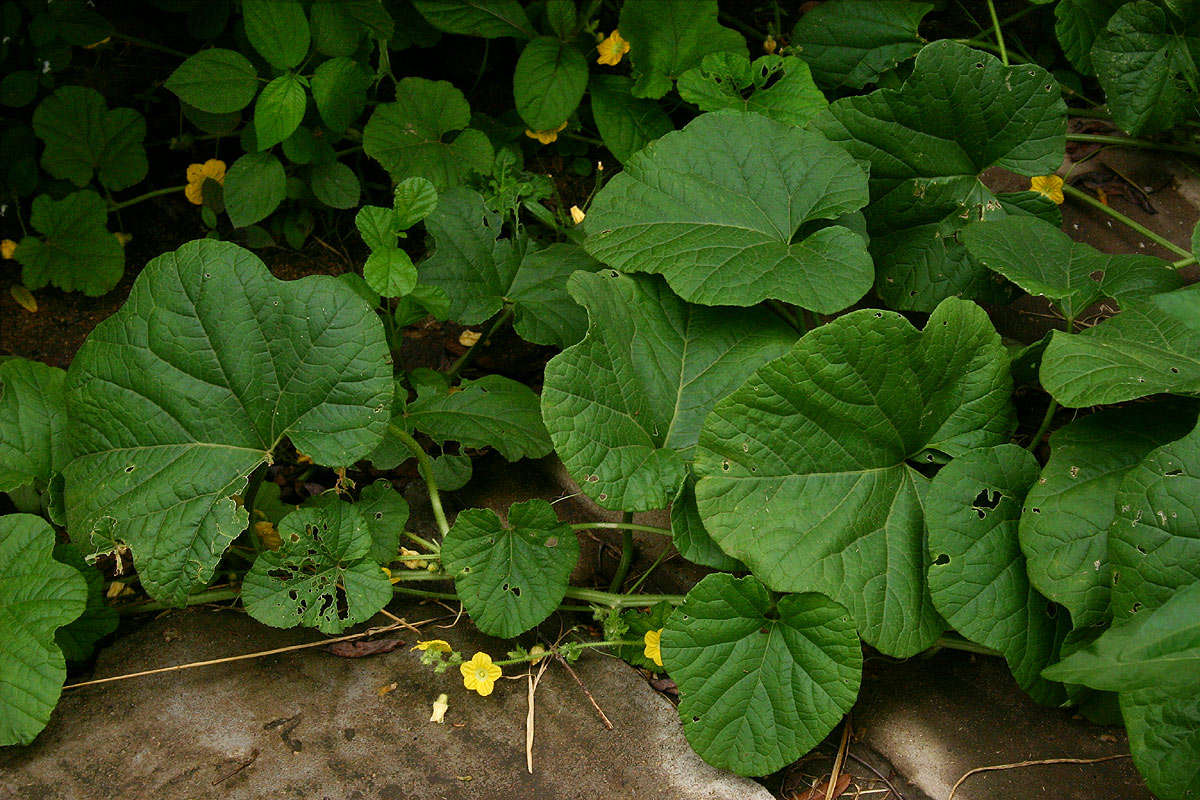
(819, 791)
(359, 648)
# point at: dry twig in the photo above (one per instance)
(1038, 762)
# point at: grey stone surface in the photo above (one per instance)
(322, 730)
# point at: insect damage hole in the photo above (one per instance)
(942, 560)
(985, 501)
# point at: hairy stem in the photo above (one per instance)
(435, 499)
(1125, 141)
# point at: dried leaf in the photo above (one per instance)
(360, 649)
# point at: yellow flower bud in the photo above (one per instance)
(611, 49)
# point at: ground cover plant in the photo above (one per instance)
(770, 310)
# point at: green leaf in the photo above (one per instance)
(217, 81)
(410, 136)
(413, 200)
(334, 32)
(480, 272)
(390, 272)
(1067, 513)
(278, 30)
(510, 577)
(782, 88)
(339, 88)
(562, 17)
(206, 326)
(378, 227)
(77, 253)
(37, 595)
(322, 575)
(1159, 648)
(807, 471)
(383, 510)
(19, 88)
(83, 136)
(78, 639)
(335, 184)
(548, 82)
(1164, 737)
(279, 110)
(760, 683)
(850, 43)
(374, 18)
(1154, 541)
(254, 188)
(959, 113)
(669, 37)
(641, 621)
(624, 406)
(33, 424)
(727, 210)
(1044, 261)
(626, 123)
(490, 19)
(977, 576)
(452, 471)
(1147, 65)
(1076, 23)
(691, 538)
(492, 411)
(1152, 346)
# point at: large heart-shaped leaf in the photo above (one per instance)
(37, 595)
(1164, 736)
(780, 88)
(624, 406)
(321, 576)
(1146, 60)
(83, 137)
(189, 387)
(1067, 513)
(76, 253)
(510, 577)
(480, 272)
(804, 471)
(730, 211)
(760, 682)
(548, 82)
(1152, 346)
(1154, 541)
(852, 42)
(977, 575)
(217, 81)
(960, 112)
(669, 37)
(490, 19)
(425, 134)
(1043, 260)
(33, 424)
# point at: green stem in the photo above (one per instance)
(428, 545)
(954, 643)
(1184, 262)
(211, 596)
(789, 316)
(553, 650)
(1045, 426)
(999, 36)
(579, 137)
(404, 590)
(1125, 141)
(435, 499)
(613, 600)
(620, 526)
(347, 151)
(666, 551)
(147, 196)
(626, 561)
(457, 366)
(419, 576)
(149, 45)
(1087, 199)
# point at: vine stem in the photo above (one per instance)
(1045, 426)
(614, 600)
(626, 554)
(619, 526)
(462, 360)
(435, 499)
(999, 36)
(554, 651)
(149, 45)
(142, 197)
(1087, 199)
(965, 646)
(1125, 141)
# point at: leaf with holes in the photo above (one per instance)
(779, 88)
(1068, 511)
(385, 512)
(37, 596)
(807, 472)
(1152, 346)
(737, 208)
(669, 37)
(1154, 541)
(33, 424)
(321, 576)
(510, 577)
(84, 137)
(424, 134)
(624, 406)
(852, 42)
(76, 252)
(760, 682)
(208, 327)
(977, 575)
(959, 113)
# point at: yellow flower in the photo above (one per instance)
(468, 338)
(1050, 186)
(770, 45)
(439, 709)
(577, 215)
(653, 651)
(123, 238)
(8, 248)
(611, 49)
(197, 174)
(547, 136)
(440, 645)
(480, 674)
